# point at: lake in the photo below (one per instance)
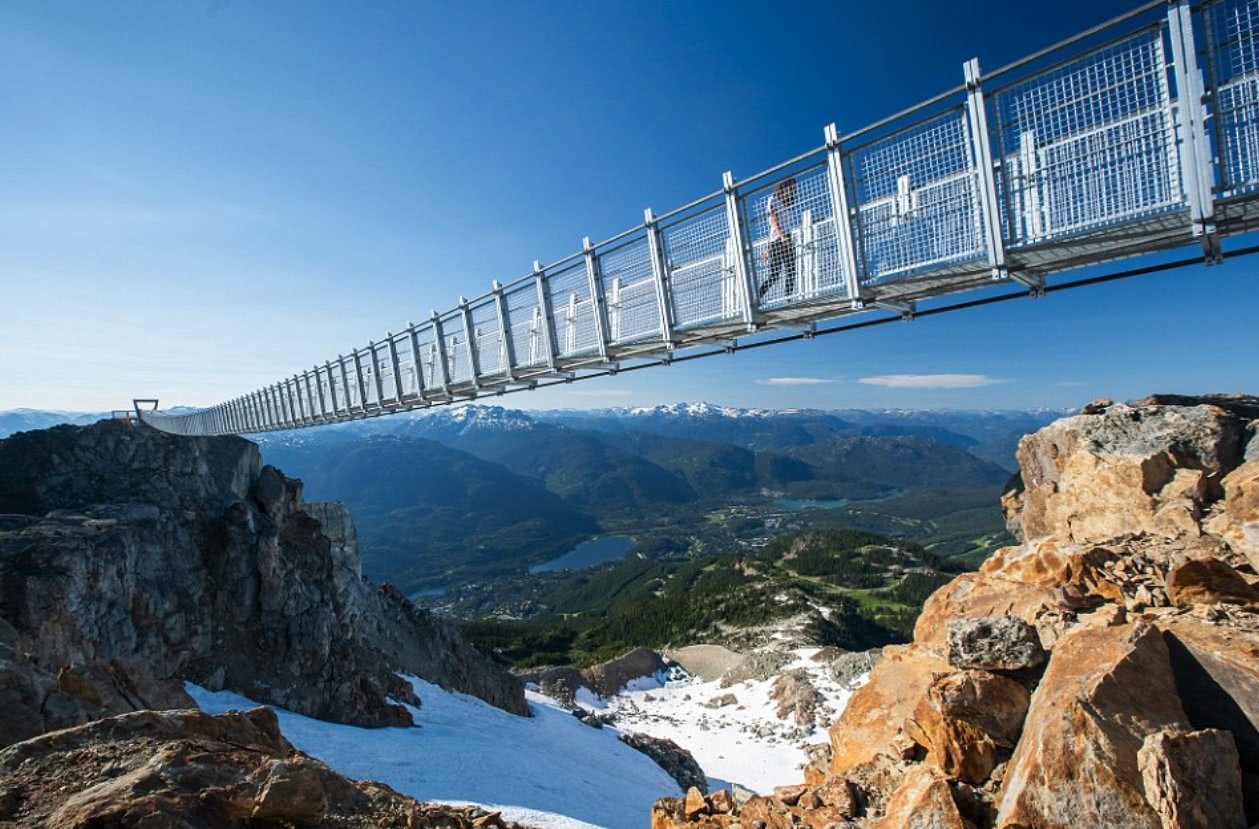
(588, 554)
(796, 504)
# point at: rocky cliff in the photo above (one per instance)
(1104, 672)
(132, 560)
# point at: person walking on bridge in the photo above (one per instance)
(780, 210)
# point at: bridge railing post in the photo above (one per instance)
(507, 349)
(319, 395)
(443, 364)
(303, 414)
(417, 366)
(742, 273)
(660, 276)
(842, 215)
(1196, 170)
(990, 217)
(396, 367)
(597, 306)
(377, 381)
(470, 343)
(548, 322)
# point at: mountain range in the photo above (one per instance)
(461, 494)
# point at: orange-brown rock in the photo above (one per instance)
(1106, 689)
(1175, 765)
(1238, 522)
(185, 768)
(922, 801)
(694, 804)
(964, 718)
(1208, 581)
(1217, 675)
(1146, 468)
(877, 710)
(978, 595)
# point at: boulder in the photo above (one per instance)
(965, 718)
(922, 801)
(1193, 779)
(1208, 581)
(1238, 521)
(1105, 691)
(1000, 643)
(757, 666)
(677, 761)
(1146, 468)
(608, 678)
(1216, 670)
(850, 669)
(796, 697)
(876, 711)
(981, 596)
(188, 768)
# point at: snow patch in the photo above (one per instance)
(548, 770)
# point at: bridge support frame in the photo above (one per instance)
(416, 365)
(742, 273)
(660, 276)
(1194, 150)
(469, 337)
(977, 113)
(439, 339)
(507, 349)
(597, 305)
(548, 328)
(842, 215)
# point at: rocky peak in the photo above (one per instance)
(132, 560)
(1104, 672)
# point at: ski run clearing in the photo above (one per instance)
(553, 771)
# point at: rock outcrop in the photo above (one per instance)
(140, 560)
(175, 769)
(1103, 672)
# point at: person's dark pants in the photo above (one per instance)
(782, 263)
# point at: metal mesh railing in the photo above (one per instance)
(572, 313)
(1232, 28)
(487, 338)
(1089, 144)
(629, 291)
(1083, 152)
(795, 258)
(918, 200)
(700, 259)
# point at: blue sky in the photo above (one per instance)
(201, 197)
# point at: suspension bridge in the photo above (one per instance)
(1137, 136)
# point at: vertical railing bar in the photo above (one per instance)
(439, 338)
(981, 147)
(345, 386)
(842, 215)
(1194, 151)
(596, 300)
(416, 365)
(544, 304)
(377, 381)
(734, 222)
(396, 367)
(474, 360)
(660, 276)
(506, 347)
(358, 379)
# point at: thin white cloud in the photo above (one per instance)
(794, 381)
(930, 381)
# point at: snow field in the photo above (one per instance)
(548, 771)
